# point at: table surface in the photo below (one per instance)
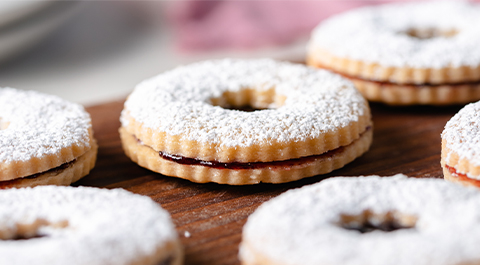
(406, 140)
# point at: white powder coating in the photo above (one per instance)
(178, 102)
(462, 133)
(377, 34)
(104, 226)
(39, 124)
(301, 226)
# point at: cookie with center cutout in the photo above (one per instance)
(65, 225)
(366, 220)
(241, 122)
(404, 53)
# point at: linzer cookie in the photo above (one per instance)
(461, 146)
(404, 53)
(366, 220)
(244, 122)
(64, 225)
(44, 140)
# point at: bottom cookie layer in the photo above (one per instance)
(450, 174)
(342, 220)
(394, 94)
(412, 94)
(62, 176)
(151, 159)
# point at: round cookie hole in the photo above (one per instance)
(30, 231)
(430, 33)
(367, 221)
(249, 100)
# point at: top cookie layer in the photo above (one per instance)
(81, 226)
(308, 104)
(38, 132)
(304, 226)
(432, 42)
(380, 34)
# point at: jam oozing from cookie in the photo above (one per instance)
(462, 177)
(252, 165)
(367, 222)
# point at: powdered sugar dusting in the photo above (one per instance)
(462, 133)
(301, 226)
(178, 102)
(104, 226)
(377, 34)
(39, 124)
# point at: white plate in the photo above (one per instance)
(23, 34)
(14, 10)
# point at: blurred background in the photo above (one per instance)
(92, 52)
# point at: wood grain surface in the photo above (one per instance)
(406, 140)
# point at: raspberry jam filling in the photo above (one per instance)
(56, 170)
(250, 165)
(462, 177)
(254, 165)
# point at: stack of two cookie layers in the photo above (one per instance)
(404, 54)
(187, 122)
(44, 140)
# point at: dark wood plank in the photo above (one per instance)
(406, 140)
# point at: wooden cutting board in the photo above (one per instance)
(209, 217)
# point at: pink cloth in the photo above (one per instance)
(205, 25)
(208, 25)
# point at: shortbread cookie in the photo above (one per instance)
(366, 220)
(461, 146)
(404, 53)
(66, 225)
(192, 122)
(43, 140)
